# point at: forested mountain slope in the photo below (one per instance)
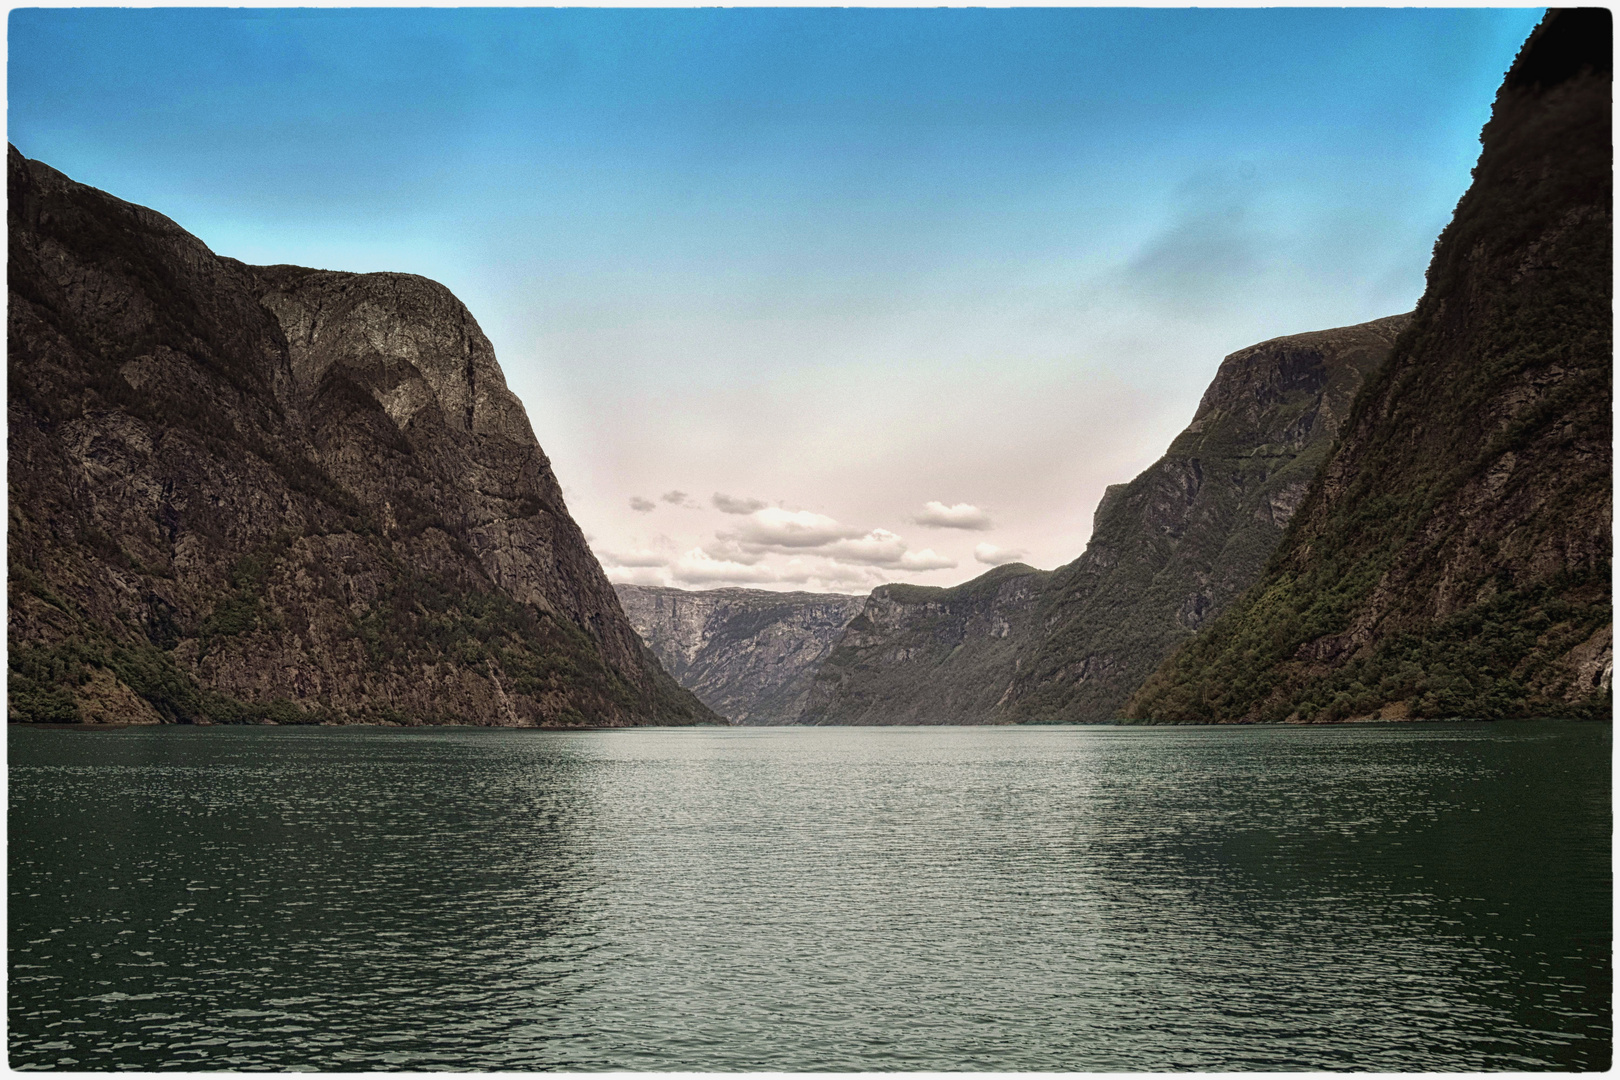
(1453, 557)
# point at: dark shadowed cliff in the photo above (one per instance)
(1453, 558)
(247, 493)
(1168, 551)
(748, 654)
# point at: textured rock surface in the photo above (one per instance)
(1174, 547)
(1168, 551)
(1453, 558)
(924, 655)
(269, 493)
(747, 653)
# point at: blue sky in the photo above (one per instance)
(844, 263)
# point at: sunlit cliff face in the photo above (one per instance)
(809, 299)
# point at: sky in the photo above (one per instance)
(809, 298)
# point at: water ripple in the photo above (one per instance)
(1423, 897)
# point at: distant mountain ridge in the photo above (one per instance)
(243, 494)
(1454, 556)
(748, 654)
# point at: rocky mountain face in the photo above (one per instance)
(748, 654)
(919, 654)
(1174, 547)
(1168, 551)
(1453, 556)
(270, 493)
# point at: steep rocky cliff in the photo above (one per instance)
(269, 493)
(1453, 557)
(1174, 547)
(1168, 551)
(748, 654)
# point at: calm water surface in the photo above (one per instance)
(1398, 897)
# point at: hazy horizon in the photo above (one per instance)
(809, 298)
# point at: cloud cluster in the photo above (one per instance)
(727, 504)
(773, 545)
(991, 555)
(634, 559)
(642, 505)
(699, 567)
(960, 516)
(880, 547)
(775, 530)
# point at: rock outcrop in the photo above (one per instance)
(270, 493)
(1453, 556)
(1168, 551)
(748, 654)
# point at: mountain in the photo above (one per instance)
(920, 654)
(746, 653)
(269, 493)
(1453, 557)
(1168, 551)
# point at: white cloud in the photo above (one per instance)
(793, 572)
(880, 547)
(773, 530)
(820, 553)
(640, 558)
(697, 567)
(728, 504)
(926, 559)
(727, 549)
(835, 574)
(829, 573)
(994, 556)
(961, 516)
(776, 528)
(642, 506)
(620, 575)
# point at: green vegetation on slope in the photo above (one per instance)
(1453, 557)
(1169, 550)
(422, 621)
(1175, 546)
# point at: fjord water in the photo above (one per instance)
(1392, 897)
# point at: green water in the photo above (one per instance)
(1394, 897)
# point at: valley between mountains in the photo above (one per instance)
(1408, 518)
(274, 494)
